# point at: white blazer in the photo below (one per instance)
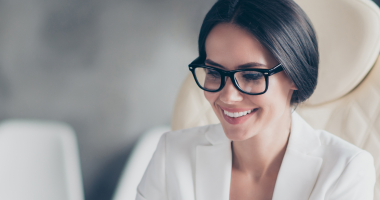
(196, 163)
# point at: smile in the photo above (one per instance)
(238, 114)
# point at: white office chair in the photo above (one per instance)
(39, 161)
(137, 163)
(347, 98)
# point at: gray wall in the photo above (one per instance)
(111, 69)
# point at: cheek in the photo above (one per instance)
(211, 97)
(277, 98)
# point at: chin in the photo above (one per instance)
(236, 133)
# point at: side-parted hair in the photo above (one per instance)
(282, 27)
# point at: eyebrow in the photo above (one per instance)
(243, 66)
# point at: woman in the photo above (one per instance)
(257, 60)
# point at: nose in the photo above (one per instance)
(229, 94)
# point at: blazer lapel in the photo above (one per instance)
(297, 176)
(299, 171)
(213, 166)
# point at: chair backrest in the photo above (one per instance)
(39, 161)
(137, 163)
(346, 101)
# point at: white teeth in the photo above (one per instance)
(228, 113)
(237, 114)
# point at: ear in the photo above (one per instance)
(293, 86)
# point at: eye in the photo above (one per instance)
(213, 73)
(252, 76)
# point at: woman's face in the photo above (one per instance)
(227, 47)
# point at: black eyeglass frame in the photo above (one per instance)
(231, 74)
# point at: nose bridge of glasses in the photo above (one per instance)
(229, 92)
(229, 74)
(232, 82)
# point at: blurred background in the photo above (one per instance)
(110, 69)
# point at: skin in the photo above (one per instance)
(258, 142)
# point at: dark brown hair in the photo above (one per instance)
(282, 27)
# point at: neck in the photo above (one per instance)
(262, 154)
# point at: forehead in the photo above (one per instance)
(231, 45)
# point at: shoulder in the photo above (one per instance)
(346, 172)
(337, 148)
(324, 144)
(192, 136)
(350, 169)
(174, 154)
(190, 133)
(343, 153)
(335, 143)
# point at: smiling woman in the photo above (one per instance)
(232, 47)
(257, 60)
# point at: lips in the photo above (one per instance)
(237, 115)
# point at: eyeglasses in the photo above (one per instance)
(247, 81)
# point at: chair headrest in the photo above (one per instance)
(348, 34)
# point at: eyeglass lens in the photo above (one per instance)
(248, 81)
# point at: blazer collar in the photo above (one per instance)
(215, 135)
(298, 172)
(213, 166)
(302, 136)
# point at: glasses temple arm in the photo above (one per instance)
(275, 69)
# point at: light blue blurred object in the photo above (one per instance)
(137, 163)
(39, 160)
